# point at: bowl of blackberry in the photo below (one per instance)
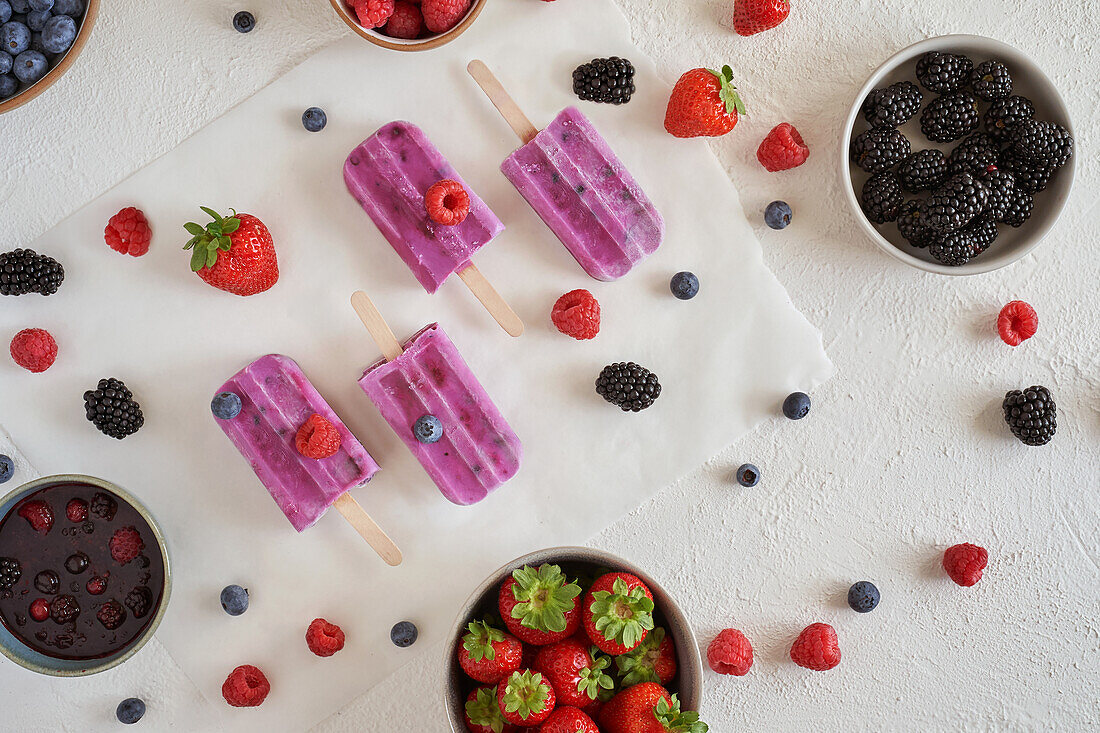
(958, 155)
(39, 41)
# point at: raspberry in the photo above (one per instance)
(816, 648)
(373, 13)
(40, 609)
(447, 202)
(782, 149)
(245, 687)
(128, 232)
(34, 349)
(730, 653)
(111, 615)
(965, 563)
(577, 314)
(443, 15)
(39, 514)
(318, 438)
(126, 544)
(406, 21)
(76, 510)
(324, 639)
(1017, 323)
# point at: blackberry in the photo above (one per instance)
(138, 601)
(943, 72)
(974, 154)
(912, 227)
(111, 614)
(1031, 176)
(881, 197)
(923, 170)
(1004, 113)
(64, 609)
(25, 271)
(950, 117)
(892, 106)
(628, 385)
(984, 231)
(958, 248)
(104, 507)
(1031, 415)
(609, 80)
(991, 81)
(112, 409)
(10, 572)
(1002, 192)
(1046, 142)
(955, 203)
(1019, 208)
(878, 150)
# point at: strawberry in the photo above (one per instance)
(234, 254)
(575, 674)
(525, 698)
(703, 102)
(569, 720)
(39, 514)
(540, 605)
(654, 660)
(648, 708)
(483, 715)
(754, 16)
(617, 613)
(816, 648)
(487, 654)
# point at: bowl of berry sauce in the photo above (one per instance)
(84, 575)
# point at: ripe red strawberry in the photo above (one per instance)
(965, 563)
(525, 698)
(617, 613)
(483, 715)
(1017, 322)
(128, 232)
(593, 708)
(654, 660)
(540, 605)
(703, 102)
(317, 438)
(234, 254)
(487, 654)
(569, 720)
(816, 648)
(730, 653)
(577, 314)
(126, 544)
(754, 16)
(245, 687)
(38, 514)
(575, 675)
(648, 708)
(324, 639)
(782, 149)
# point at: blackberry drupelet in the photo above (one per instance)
(1031, 176)
(609, 80)
(25, 271)
(991, 81)
(112, 409)
(950, 117)
(943, 72)
(628, 385)
(974, 154)
(923, 170)
(1004, 113)
(1031, 414)
(1045, 142)
(881, 197)
(955, 203)
(878, 150)
(1002, 191)
(912, 227)
(10, 572)
(892, 106)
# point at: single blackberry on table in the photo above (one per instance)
(25, 271)
(974, 154)
(1031, 414)
(943, 72)
(878, 150)
(1004, 113)
(1031, 176)
(892, 106)
(628, 385)
(991, 81)
(881, 197)
(64, 609)
(609, 80)
(1046, 142)
(950, 117)
(10, 572)
(1002, 191)
(923, 170)
(912, 227)
(138, 601)
(955, 203)
(112, 409)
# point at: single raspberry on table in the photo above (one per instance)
(317, 438)
(245, 687)
(324, 639)
(373, 13)
(1017, 322)
(406, 22)
(447, 202)
(34, 349)
(577, 314)
(782, 149)
(816, 648)
(443, 15)
(76, 510)
(730, 653)
(38, 514)
(126, 544)
(965, 563)
(128, 232)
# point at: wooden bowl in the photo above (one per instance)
(91, 10)
(401, 44)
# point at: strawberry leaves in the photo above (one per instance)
(623, 614)
(206, 242)
(483, 710)
(727, 92)
(545, 595)
(593, 680)
(638, 665)
(525, 694)
(479, 642)
(675, 721)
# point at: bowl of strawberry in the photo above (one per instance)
(568, 640)
(408, 25)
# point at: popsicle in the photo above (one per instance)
(578, 186)
(473, 451)
(389, 174)
(276, 400)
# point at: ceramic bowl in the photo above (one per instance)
(401, 44)
(1029, 81)
(22, 654)
(689, 677)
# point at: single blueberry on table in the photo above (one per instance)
(5, 11)
(863, 596)
(226, 405)
(428, 429)
(130, 710)
(234, 600)
(71, 8)
(403, 634)
(59, 34)
(748, 475)
(5, 62)
(30, 66)
(797, 405)
(314, 119)
(684, 285)
(8, 86)
(244, 21)
(7, 468)
(777, 215)
(15, 37)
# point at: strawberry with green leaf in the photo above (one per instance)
(576, 674)
(704, 102)
(539, 605)
(483, 715)
(654, 660)
(648, 708)
(526, 698)
(487, 654)
(235, 254)
(617, 613)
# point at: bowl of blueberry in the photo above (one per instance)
(39, 41)
(958, 155)
(408, 25)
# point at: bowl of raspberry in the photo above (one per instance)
(409, 25)
(84, 575)
(958, 155)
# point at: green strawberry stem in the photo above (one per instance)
(727, 92)
(675, 721)
(593, 679)
(545, 595)
(206, 242)
(623, 614)
(525, 694)
(479, 642)
(484, 710)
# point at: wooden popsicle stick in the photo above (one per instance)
(376, 325)
(504, 103)
(368, 529)
(498, 308)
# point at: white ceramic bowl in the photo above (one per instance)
(402, 44)
(1029, 81)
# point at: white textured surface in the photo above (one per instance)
(903, 454)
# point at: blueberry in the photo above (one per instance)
(684, 285)
(41, 6)
(36, 19)
(797, 405)
(244, 21)
(5, 63)
(5, 11)
(314, 119)
(777, 215)
(130, 710)
(30, 66)
(7, 465)
(234, 600)
(59, 34)
(748, 475)
(863, 596)
(428, 429)
(20, 6)
(15, 37)
(8, 86)
(403, 634)
(71, 8)
(226, 405)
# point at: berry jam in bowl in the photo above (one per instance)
(84, 575)
(402, 25)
